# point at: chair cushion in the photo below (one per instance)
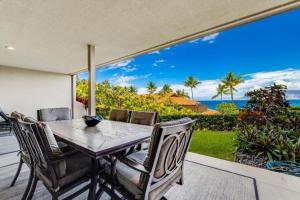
(130, 178)
(53, 114)
(120, 115)
(76, 166)
(144, 118)
(47, 136)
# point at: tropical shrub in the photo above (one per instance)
(227, 108)
(266, 105)
(267, 128)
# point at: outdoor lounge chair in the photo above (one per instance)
(54, 114)
(4, 125)
(121, 115)
(149, 175)
(58, 172)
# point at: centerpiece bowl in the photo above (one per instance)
(92, 120)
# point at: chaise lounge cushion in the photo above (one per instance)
(54, 114)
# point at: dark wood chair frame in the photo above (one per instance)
(165, 133)
(5, 124)
(25, 156)
(42, 162)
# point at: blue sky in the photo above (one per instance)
(263, 52)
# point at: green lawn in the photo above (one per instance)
(218, 144)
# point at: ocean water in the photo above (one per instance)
(238, 103)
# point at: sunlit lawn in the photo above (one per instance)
(218, 144)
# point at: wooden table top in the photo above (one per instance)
(105, 138)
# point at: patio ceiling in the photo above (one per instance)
(52, 35)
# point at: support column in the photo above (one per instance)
(92, 80)
(73, 97)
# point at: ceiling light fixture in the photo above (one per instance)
(11, 48)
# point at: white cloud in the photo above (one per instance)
(209, 38)
(129, 69)
(172, 66)
(155, 64)
(154, 52)
(123, 63)
(195, 41)
(126, 80)
(290, 77)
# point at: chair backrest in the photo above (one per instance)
(121, 115)
(37, 148)
(143, 117)
(41, 157)
(21, 138)
(54, 114)
(167, 150)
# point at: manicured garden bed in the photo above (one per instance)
(218, 144)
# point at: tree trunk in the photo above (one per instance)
(192, 93)
(221, 97)
(231, 93)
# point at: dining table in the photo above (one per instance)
(104, 139)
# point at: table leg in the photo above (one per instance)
(94, 178)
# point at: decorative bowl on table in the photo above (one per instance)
(92, 120)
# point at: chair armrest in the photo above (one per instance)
(133, 164)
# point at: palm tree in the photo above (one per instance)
(151, 87)
(221, 90)
(181, 93)
(132, 89)
(192, 83)
(166, 89)
(230, 81)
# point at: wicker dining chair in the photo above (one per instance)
(54, 114)
(149, 175)
(143, 118)
(121, 115)
(59, 173)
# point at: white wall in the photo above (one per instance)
(27, 91)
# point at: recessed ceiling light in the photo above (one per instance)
(11, 48)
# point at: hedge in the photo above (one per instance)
(295, 110)
(216, 122)
(210, 122)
